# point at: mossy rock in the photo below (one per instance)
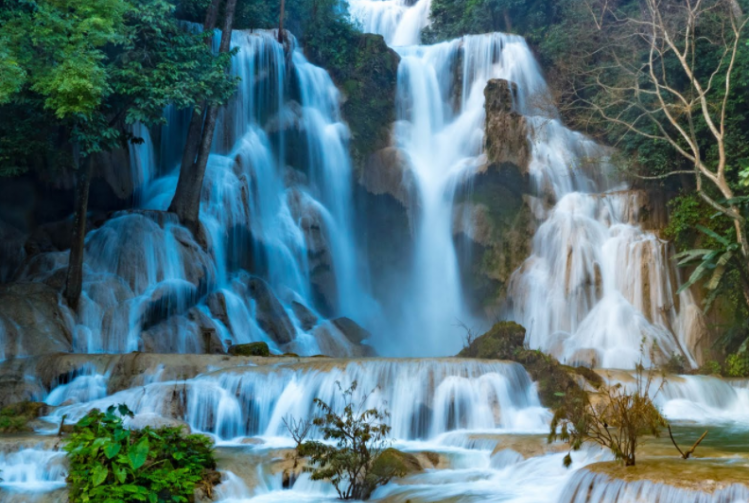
(556, 382)
(395, 463)
(251, 349)
(15, 418)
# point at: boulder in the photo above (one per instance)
(270, 314)
(307, 319)
(251, 349)
(32, 321)
(332, 342)
(352, 330)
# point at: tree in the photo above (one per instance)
(95, 67)
(663, 70)
(359, 460)
(615, 418)
(186, 201)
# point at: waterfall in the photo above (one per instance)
(596, 283)
(277, 201)
(425, 398)
(589, 487)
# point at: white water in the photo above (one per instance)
(267, 206)
(33, 470)
(596, 283)
(426, 398)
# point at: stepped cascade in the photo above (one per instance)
(168, 317)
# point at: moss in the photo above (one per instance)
(556, 383)
(15, 418)
(251, 349)
(394, 462)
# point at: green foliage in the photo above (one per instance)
(15, 418)
(711, 263)
(109, 463)
(737, 364)
(359, 437)
(710, 367)
(250, 349)
(85, 70)
(455, 18)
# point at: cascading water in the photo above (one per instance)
(276, 201)
(596, 283)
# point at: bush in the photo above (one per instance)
(359, 460)
(615, 419)
(110, 463)
(737, 364)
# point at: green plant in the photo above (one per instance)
(737, 364)
(352, 461)
(15, 418)
(110, 463)
(615, 419)
(710, 367)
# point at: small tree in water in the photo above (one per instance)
(615, 418)
(353, 462)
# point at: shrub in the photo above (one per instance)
(353, 463)
(110, 463)
(737, 364)
(15, 418)
(616, 419)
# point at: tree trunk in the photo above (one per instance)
(74, 278)
(187, 191)
(280, 22)
(186, 202)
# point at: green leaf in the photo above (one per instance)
(99, 475)
(119, 473)
(138, 454)
(111, 450)
(722, 240)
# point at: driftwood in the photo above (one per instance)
(685, 455)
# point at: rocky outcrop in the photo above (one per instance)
(506, 139)
(334, 342)
(492, 219)
(387, 172)
(251, 349)
(32, 321)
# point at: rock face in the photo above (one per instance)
(506, 139)
(32, 321)
(493, 222)
(271, 316)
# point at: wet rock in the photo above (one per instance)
(333, 342)
(387, 172)
(32, 321)
(251, 349)
(216, 302)
(271, 316)
(307, 319)
(506, 138)
(352, 330)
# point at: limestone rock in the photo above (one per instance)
(506, 138)
(156, 421)
(32, 321)
(271, 316)
(387, 172)
(307, 319)
(352, 330)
